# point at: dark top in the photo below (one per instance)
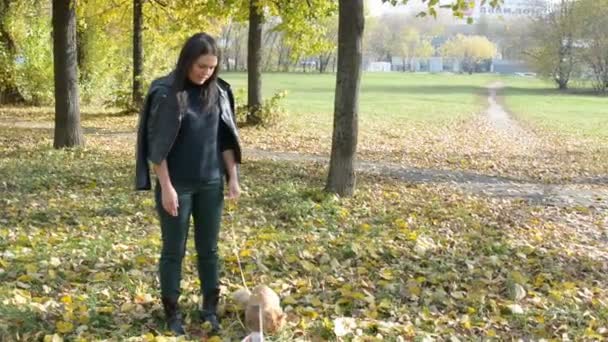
(158, 127)
(196, 153)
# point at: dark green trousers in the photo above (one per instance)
(204, 203)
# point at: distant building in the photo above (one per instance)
(435, 64)
(413, 64)
(504, 66)
(379, 66)
(510, 8)
(448, 64)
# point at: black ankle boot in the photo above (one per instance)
(209, 311)
(173, 316)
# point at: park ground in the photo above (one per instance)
(481, 213)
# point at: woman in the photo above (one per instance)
(187, 131)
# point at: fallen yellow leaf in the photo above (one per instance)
(64, 327)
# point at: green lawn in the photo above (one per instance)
(420, 120)
(402, 96)
(577, 112)
(397, 100)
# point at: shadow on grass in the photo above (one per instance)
(86, 112)
(510, 90)
(432, 90)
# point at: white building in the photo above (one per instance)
(510, 8)
(379, 66)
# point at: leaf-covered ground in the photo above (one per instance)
(399, 261)
(79, 250)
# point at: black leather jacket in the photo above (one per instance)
(158, 127)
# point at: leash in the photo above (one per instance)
(253, 337)
(235, 248)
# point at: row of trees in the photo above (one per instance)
(471, 50)
(111, 45)
(279, 53)
(387, 37)
(571, 41)
(400, 36)
(565, 43)
(72, 42)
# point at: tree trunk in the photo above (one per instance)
(562, 84)
(341, 178)
(227, 42)
(324, 62)
(320, 65)
(280, 59)
(67, 107)
(9, 92)
(237, 53)
(254, 63)
(267, 64)
(138, 54)
(81, 54)
(294, 64)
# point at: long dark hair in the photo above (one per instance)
(196, 46)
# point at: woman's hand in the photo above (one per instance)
(234, 189)
(168, 194)
(170, 200)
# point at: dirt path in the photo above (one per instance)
(503, 123)
(584, 193)
(575, 194)
(497, 115)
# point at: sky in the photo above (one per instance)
(376, 8)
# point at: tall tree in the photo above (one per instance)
(9, 92)
(564, 22)
(138, 53)
(254, 62)
(471, 50)
(341, 178)
(226, 38)
(593, 40)
(553, 52)
(67, 107)
(331, 34)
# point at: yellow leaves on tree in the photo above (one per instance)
(469, 48)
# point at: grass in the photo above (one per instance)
(437, 121)
(389, 96)
(421, 120)
(578, 112)
(79, 251)
(405, 97)
(400, 99)
(79, 248)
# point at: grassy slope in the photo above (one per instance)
(575, 113)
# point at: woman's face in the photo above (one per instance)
(202, 69)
